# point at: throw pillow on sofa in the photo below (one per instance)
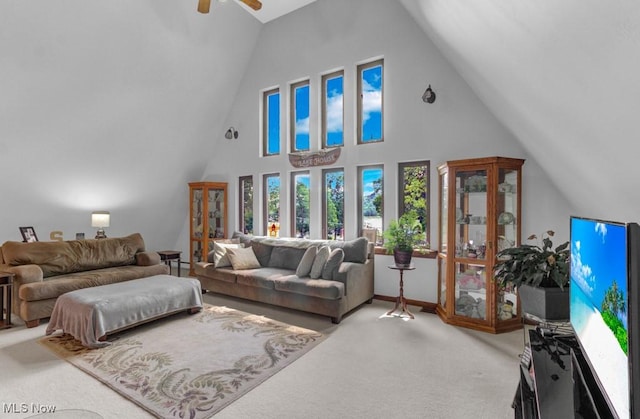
(318, 263)
(242, 258)
(333, 263)
(304, 268)
(220, 258)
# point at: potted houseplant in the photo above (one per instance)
(540, 274)
(402, 236)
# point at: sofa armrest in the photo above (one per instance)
(147, 258)
(24, 274)
(356, 277)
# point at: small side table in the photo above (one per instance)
(401, 301)
(6, 284)
(168, 255)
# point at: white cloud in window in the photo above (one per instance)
(371, 100)
(302, 126)
(334, 113)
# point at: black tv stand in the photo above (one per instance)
(556, 381)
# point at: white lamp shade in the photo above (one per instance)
(100, 219)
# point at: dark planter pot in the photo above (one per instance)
(551, 304)
(402, 258)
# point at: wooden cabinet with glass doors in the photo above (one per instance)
(208, 218)
(479, 216)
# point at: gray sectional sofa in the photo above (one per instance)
(282, 275)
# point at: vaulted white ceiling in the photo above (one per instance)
(273, 9)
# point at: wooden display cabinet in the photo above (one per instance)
(479, 215)
(208, 218)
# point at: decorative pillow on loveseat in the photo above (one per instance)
(305, 265)
(219, 255)
(318, 263)
(242, 258)
(333, 263)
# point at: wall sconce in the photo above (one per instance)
(429, 95)
(101, 220)
(231, 134)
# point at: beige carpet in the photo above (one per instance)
(192, 366)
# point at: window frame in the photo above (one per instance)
(359, 99)
(265, 121)
(265, 200)
(242, 180)
(293, 186)
(360, 191)
(323, 107)
(401, 189)
(325, 227)
(293, 111)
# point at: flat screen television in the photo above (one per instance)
(604, 307)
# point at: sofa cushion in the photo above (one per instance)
(263, 277)
(220, 257)
(209, 270)
(355, 250)
(62, 257)
(243, 258)
(55, 286)
(318, 263)
(147, 258)
(306, 263)
(333, 263)
(321, 288)
(262, 251)
(286, 257)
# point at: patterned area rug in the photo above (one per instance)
(190, 366)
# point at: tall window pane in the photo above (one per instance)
(271, 210)
(301, 203)
(333, 204)
(300, 116)
(271, 121)
(370, 200)
(332, 109)
(370, 94)
(414, 191)
(246, 204)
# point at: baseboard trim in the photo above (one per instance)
(426, 307)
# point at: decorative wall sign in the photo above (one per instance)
(322, 157)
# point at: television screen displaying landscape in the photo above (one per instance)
(598, 305)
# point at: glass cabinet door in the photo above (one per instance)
(216, 213)
(508, 235)
(197, 223)
(471, 247)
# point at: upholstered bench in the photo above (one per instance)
(90, 314)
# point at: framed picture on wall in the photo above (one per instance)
(28, 234)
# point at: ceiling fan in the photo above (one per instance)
(204, 5)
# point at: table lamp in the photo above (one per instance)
(100, 219)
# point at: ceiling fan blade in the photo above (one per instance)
(254, 4)
(204, 5)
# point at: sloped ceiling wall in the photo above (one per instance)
(564, 78)
(112, 106)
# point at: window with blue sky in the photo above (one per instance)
(300, 115)
(271, 122)
(370, 93)
(332, 109)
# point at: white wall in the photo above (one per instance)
(332, 34)
(563, 77)
(112, 106)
